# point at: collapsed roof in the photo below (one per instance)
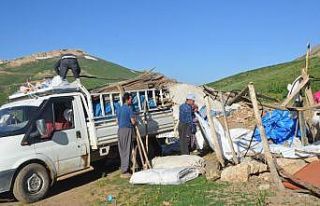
(146, 80)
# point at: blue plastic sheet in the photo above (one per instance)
(135, 105)
(280, 126)
(107, 108)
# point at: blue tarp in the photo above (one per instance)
(135, 103)
(107, 108)
(280, 126)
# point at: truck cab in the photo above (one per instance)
(56, 134)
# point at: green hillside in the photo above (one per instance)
(271, 80)
(12, 77)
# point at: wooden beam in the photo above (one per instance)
(303, 130)
(213, 133)
(243, 92)
(305, 81)
(309, 96)
(134, 158)
(234, 155)
(144, 153)
(313, 189)
(266, 149)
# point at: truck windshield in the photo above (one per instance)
(13, 121)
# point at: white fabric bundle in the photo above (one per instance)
(169, 162)
(173, 176)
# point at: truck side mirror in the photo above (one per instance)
(42, 127)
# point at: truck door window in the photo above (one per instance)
(63, 115)
(58, 116)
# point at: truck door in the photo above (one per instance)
(63, 144)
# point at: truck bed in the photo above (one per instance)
(158, 121)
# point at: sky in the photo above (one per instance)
(192, 41)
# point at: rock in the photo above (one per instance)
(264, 187)
(213, 175)
(238, 173)
(256, 167)
(265, 177)
(212, 168)
(166, 203)
(242, 171)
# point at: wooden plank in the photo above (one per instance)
(304, 82)
(243, 92)
(316, 106)
(213, 134)
(208, 90)
(310, 103)
(161, 98)
(315, 190)
(307, 58)
(144, 153)
(234, 155)
(309, 96)
(134, 159)
(303, 130)
(145, 121)
(266, 149)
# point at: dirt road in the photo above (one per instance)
(93, 188)
(73, 191)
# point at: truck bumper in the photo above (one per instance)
(6, 180)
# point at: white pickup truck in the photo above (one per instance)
(54, 134)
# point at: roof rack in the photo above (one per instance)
(45, 92)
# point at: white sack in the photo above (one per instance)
(173, 176)
(169, 162)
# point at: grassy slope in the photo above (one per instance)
(9, 77)
(270, 80)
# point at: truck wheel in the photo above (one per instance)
(31, 184)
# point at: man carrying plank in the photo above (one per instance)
(126, 119)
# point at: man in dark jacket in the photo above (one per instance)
(186, 124)
(126, 120)
(66, 62)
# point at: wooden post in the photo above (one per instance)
(139, 140)
(140, 154)
(134, 158)
(266, 149)
(243, 92)
(302, 125)
(304, 82)
(121, 90)
(145, 121)
(234, 155)
(307, 57)
(213, 133)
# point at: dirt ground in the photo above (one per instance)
(93, 188)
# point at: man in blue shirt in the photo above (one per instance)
(126, 119)
(185, 123)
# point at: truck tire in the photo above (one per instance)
(31, 184)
